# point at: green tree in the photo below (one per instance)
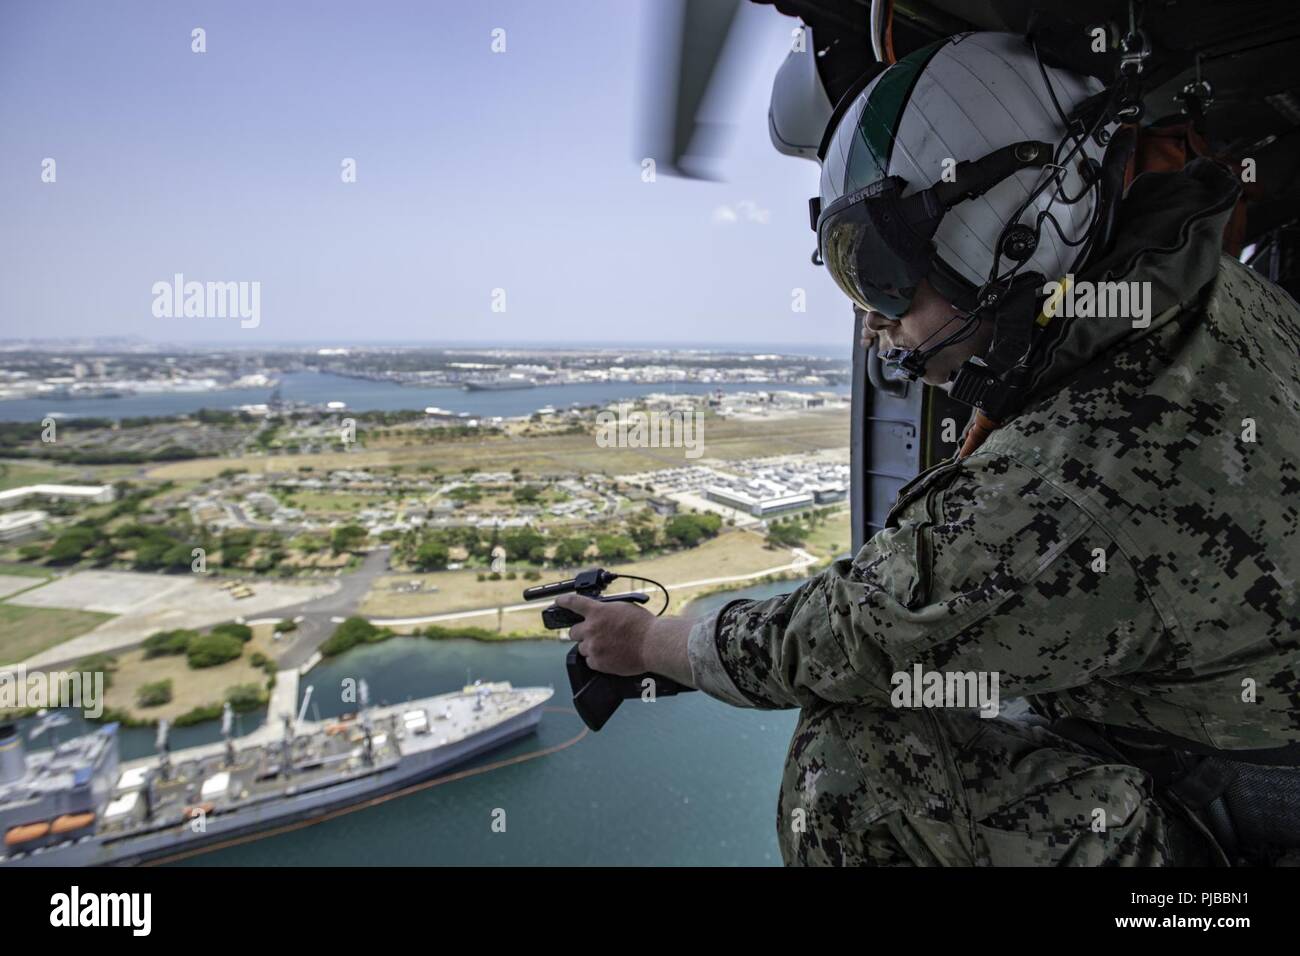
(209, 650)
(235, 546)
(347, 538)
(571, 551)
(103, 663)
(524, 543)
(466, 494)
(179, 557)
(151, 553)
(646, 537)
(689, 530)
(432, 555)
(792, 534)
(198, 715)
(71, 544)
(155, 694)
(616, 547)
(353, 631)
(527, 495)
(168, 642)
(245, 697)
(241, 631)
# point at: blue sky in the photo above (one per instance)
(475, 171)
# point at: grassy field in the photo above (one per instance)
(723, 439)
(15, 474)
(190, 687)
(22, 569)
(832, 538)
(325, 502)
(528, 622)
(25, 631)
(731, 553)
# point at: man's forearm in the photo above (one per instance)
(691, 652)
(665, 649)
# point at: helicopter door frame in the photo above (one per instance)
(896, 431)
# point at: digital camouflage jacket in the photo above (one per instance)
(1126, 549)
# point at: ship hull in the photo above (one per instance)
(181, 839)
(496, 386)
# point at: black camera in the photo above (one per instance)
(595, 695)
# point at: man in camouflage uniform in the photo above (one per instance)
(1125, 550)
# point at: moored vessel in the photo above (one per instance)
(76, 805)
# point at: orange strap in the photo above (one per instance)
(889, 35)
(1171, 147)
(980, 429)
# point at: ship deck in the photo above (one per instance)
(213, 784)
(265, 776)
(210, 780)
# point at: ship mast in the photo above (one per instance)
(363, 692)
(164, 750)
(147, 792)
(47, 720)
(227, 724)
(286, 749)
(306, 699)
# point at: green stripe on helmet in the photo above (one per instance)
(877, 128)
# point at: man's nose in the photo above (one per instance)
(878, 322)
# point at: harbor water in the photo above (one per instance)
(681, 781)
(364, 395)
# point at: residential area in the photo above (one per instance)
(197, 581)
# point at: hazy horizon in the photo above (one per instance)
(460, 344)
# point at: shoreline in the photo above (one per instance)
(357, 394)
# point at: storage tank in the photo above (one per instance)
(13, 761)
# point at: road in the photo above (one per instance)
(802, 559)
(317, 616)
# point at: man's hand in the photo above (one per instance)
(625, 639)
(868, 334)
(612, 636)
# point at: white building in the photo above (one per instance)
(89, 494)
(19, 524)
(759, 507)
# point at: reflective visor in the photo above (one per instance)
(878, 246)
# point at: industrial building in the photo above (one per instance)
(19, 524)
(87, 494)
(759, 507)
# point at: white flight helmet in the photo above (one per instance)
(898, 206)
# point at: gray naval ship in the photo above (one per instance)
(75, 805)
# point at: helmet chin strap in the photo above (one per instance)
(912, 361)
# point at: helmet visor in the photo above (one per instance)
(877, 245)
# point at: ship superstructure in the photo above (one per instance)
(499, 383)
